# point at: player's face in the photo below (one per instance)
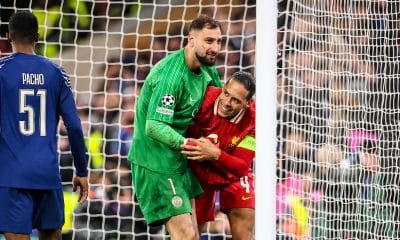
(232, 99)
(207, 44)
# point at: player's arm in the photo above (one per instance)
(76, 140)
(237, 162)
(160, 111)
(68, 111)
(164, 133)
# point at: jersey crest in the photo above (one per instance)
(235, 140)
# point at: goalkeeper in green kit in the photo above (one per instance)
(171, 96)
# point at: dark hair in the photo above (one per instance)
(23, 27)
(247, 80)
(204, 21)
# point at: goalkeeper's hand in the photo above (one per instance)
(200, 149)
(83, 185)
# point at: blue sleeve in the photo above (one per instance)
(74, 128)
(76, 140)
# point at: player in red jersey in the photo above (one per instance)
(225, 165)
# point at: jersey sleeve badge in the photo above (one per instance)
(168, 100)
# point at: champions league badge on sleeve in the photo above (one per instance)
(168, 100)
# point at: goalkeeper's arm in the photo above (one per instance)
(164, 133)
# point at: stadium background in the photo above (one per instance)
(107, 47)
(338, 119)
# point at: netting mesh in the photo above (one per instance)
(338, 119)
(107, 48)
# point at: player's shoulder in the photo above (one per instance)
(213, 92)
(5, 60)
(54, 65)
(57, 69)
(173, 59)
(49, 63)
(207, 106)
(171, 65)
(210, 96)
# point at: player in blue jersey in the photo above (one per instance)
(34, 93)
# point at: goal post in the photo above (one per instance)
(107, 48)
(266, 142)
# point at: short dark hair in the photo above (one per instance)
(23, 27)
(204, 21)
(247, 80)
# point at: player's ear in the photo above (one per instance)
(190, 39)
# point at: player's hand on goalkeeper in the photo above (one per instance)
(200, 149)
(82, 184)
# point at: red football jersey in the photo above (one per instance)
(236, 159)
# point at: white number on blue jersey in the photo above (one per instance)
(28, 127)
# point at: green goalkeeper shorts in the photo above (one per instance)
(162, 196)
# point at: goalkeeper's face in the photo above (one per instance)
(207, 44)
(232, 99)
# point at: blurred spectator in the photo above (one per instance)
(58, 23)
(293, 150)
(295, 196)
(174, 42)
(121, 134)
(118, 74)
(356, 204)
(63, 23)
(228, 61)
(142, 67)
(115, 8)
(249, 58)
(339, 177)
(357, 137)
(158, 49)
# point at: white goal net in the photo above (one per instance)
(338, 119)
(107, 47)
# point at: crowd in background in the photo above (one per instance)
(64, 23)
(107, 113)
(338, 120)
(337, 98)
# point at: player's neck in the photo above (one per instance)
(27, 49)
(191, 61)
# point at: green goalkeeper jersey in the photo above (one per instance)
(171, 94)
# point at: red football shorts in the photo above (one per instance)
(239, 194)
